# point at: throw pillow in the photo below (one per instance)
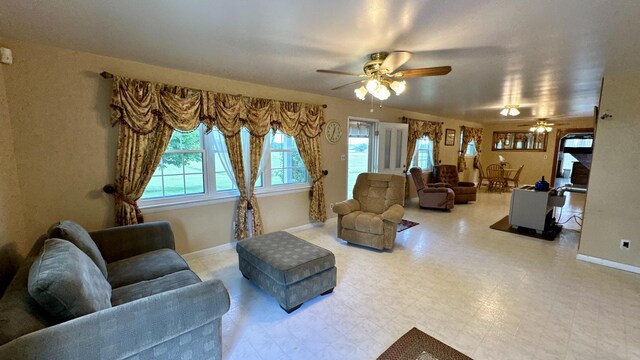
(76, 234)
(66, 283)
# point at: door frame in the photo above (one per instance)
(559, 135)
(373, 146)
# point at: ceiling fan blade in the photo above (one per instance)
(395, 59)
(413, 73)
(339, 73)
(527, 125)
(351, 83)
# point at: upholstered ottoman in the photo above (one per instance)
(290, 269)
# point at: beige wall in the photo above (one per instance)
(611, 211)
(65, 147)
(12, 244)
(536, 164)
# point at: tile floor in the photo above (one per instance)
(490, 294)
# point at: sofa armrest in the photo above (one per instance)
(123, 242)
(466, 184)
(125, 330)
(393, 214)
(346, 207)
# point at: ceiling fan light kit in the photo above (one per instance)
(510, 110)
(381, 76)
(380, 89)
(541, 126)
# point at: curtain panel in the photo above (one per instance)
(148, 113)
(468, 134)
(420, 128)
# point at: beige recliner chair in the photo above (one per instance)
(372, 216)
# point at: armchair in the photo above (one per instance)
(372, 216)
(464, 191)
(436, 196)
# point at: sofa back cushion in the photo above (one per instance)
(66, 282)
(78, 236)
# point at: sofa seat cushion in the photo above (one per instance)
(78, 236)
(147, 266)
(364, 222)
(147, 288)
(285, 258)
(66, 282)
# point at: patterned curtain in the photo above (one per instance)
(234, 148)
(149, 112)
(255, 151)
(420, 128)
(468, 134)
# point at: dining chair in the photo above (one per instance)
(516, 177)
(495, 173)
(483, 177)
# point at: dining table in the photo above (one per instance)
(498, 181)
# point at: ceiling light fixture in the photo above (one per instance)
(540, 128)
(510, 110)
(379, 88)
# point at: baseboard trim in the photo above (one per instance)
(609, 263)
(232, 245)
(310, 225)
(209, 251)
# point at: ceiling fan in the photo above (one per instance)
(541, 126)
(381, 74)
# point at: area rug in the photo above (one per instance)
(416, 345)
(405, 224)
(503, 225)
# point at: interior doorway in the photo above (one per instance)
(574, 149)
(361, 149)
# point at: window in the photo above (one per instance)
(181, 170)
(196, 167)
(285, 164)
(471, 149)
(423, 155)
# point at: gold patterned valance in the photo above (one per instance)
(143, 104)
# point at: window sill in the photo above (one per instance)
(183, 203)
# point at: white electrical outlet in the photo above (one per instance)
(625, 244)
(331, 206)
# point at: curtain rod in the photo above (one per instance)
(108, 75)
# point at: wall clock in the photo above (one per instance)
(333, 131)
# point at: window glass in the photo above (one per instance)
(471, 149)
(286, 164)
(197, 165)
(423, 155)
(181, 170)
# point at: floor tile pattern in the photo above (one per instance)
(487, 293)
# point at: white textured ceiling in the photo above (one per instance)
(547, 56)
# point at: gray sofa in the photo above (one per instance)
(158, 307)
